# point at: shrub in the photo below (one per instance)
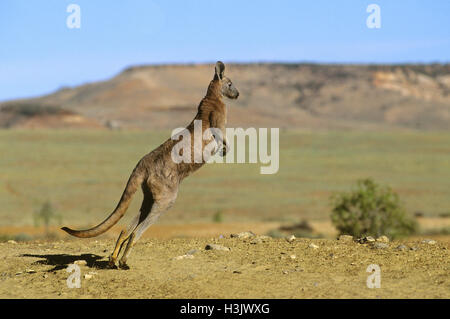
(371, 210)
(45, 215)
(218, 217)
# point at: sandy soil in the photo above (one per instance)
(270, 268)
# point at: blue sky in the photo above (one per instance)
(39, 54)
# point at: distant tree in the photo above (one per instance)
(45, 215)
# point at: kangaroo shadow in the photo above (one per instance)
(62, 261)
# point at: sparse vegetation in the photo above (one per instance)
(18, 238)
(32, 109)
(218, 217)
(312, 167)
(45, 215)
(371, 210)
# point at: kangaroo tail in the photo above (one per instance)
(134, 182)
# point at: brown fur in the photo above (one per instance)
(159, 176)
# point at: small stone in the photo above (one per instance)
(380, 245)
(243, 235)
(256, 240)
(45, 276)
(30, 271)
(19, 273)
(80, 262)
(183, 257)
(290, 238)
(367, 239)
(429, 241)
(413, 248)
(12, 242)
(216, 247)
(293, 256)
(237, 272)
(401, 247)
(345, 238)
(383, 239)
(313, 246)
(88, 276)
(285, 272)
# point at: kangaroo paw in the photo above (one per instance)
(123, 265)
(112, 263)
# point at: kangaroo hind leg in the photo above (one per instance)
(157, 209)
(125, 235)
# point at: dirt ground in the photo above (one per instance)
(253, 268)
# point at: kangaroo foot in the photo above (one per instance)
(123, 265)
(112, 263)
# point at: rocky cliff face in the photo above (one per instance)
(272, 95)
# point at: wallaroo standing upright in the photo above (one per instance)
(159, 176)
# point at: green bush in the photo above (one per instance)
(371, 210)
(218, 217)
(45, 215)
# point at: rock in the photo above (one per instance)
(243, 235)
(80, 262)
(45, 276)
(290, 238)
(12, 242)
(429, 241)
(256, 240)
(313, 246)
(345, 238)
(90, 275)
(216, 247)
(30, 271)
(367, 239)
(285, 272)
(383, 239)
(237, 272)
(378, 245)
(401, 247)
(184, 257)
(293, 256)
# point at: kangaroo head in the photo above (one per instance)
(226, 86)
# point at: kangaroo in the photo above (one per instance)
(159, 176)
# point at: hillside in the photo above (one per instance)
(272, 95)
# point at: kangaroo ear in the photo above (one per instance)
(220, 67)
